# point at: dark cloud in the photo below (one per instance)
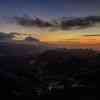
(7, 36)
(31, 39)
(29, 22)
(64, 23)
(91, 35)
(83, 22)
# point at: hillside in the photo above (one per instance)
(47, 73)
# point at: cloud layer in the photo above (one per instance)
(29, 22)
(63, 23)
(6, 36)
(88, 35)
(12, 35)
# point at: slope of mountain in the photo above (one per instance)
(45, 71)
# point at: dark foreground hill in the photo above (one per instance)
(51, 72)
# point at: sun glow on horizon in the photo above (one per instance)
(64, 38)
(73, 40)
(90, 40)
(58, 36)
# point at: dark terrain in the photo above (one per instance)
(25, 71)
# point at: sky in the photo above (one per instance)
(36, 18)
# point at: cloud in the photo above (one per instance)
(29, 22)
(31, 39)
(7, 36)
(12, 36)
(63, 23)
(87, 35)
(82, 22)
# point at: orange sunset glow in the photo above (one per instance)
(90, 40)
(71, 41)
